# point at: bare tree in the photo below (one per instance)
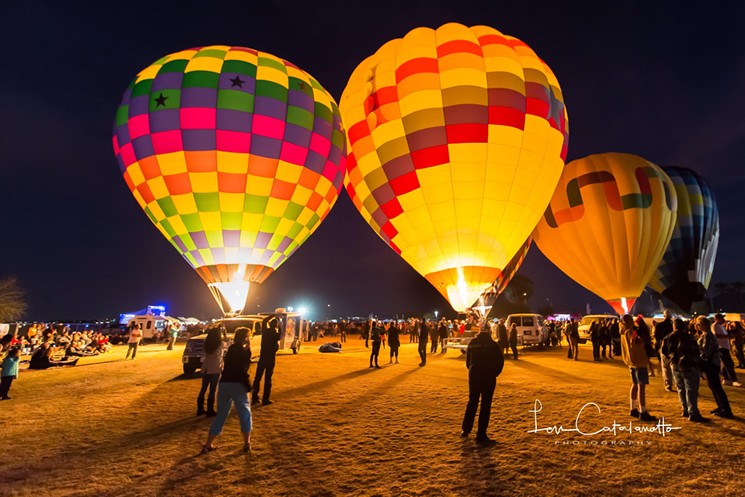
(12, 301)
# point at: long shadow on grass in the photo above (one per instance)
(319, 385)
(557, 374)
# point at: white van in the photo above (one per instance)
(153, 326)
(583, 328)
(531, 328)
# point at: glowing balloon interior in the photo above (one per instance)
(685, 271)
(235, 155)
(608, 224)
(457, 137)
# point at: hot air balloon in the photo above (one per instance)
(608, 224)
(490, 295)
(235, 155)
(457, 137)
(684, 274)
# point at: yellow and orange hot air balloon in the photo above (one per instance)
(608, 224)
(235, 155)
(457, 137)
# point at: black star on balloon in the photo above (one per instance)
(161, 100)
(237, 82)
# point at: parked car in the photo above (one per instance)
(531, 328)
(193, 355)
(584, 324)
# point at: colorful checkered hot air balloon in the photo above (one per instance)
(235, 155)
(608, 224)
(685, 271)
(457, 137)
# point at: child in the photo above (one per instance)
(9, 372)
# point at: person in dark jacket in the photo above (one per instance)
(502, 336)
(423, 337)
(442, 331)
(710, 361)
(234, 387)
(485, 361)
(513, 340)
(394, 341)
(662, 330)
(375, 337)
(595, 340)
(267, 359)
(680, 350)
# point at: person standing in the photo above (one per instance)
(485, 361)
(738, 333)
(680, 351)
(434, 337)
(267, 359)
(662, 330)
(595, 340)
(343, 332)
(728, 366)
(211, 368)
(634, 353)
(135, 335)
(394, 340)
(442, 331)
(234, 387)
(574, 339)
(375, 337)
(503, 337)
(710, 362)
(423, 337)
(172, 335)
(513, 340)
(9, 372)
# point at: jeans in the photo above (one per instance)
(667, 371)
(423, 351)
(728, 366)
(687, 382)
(374, 353)
(596, 350)
(227, 394)
(265, 366)
(715, 385)
(484, 390)
(211, 381)
(5, 383)
(132, 348)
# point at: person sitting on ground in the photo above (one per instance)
(43, 358)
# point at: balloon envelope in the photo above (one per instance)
(608, 224)
(684, 274)
(457, 137)
(235, 155)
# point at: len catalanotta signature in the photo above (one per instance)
(588, 429)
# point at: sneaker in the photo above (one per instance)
(726, 415)
(267, 402)
(736, 384)
(715, 411)
(697, 418)
(684, 414)
(727, 382)
(634, 413)
(463, 434)
(645, 416)
(670, 389)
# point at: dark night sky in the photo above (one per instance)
(664, 80)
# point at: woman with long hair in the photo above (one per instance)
(211, 368)
(234, 387)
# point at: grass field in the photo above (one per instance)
(337, 428)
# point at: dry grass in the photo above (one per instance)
(115, 427)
